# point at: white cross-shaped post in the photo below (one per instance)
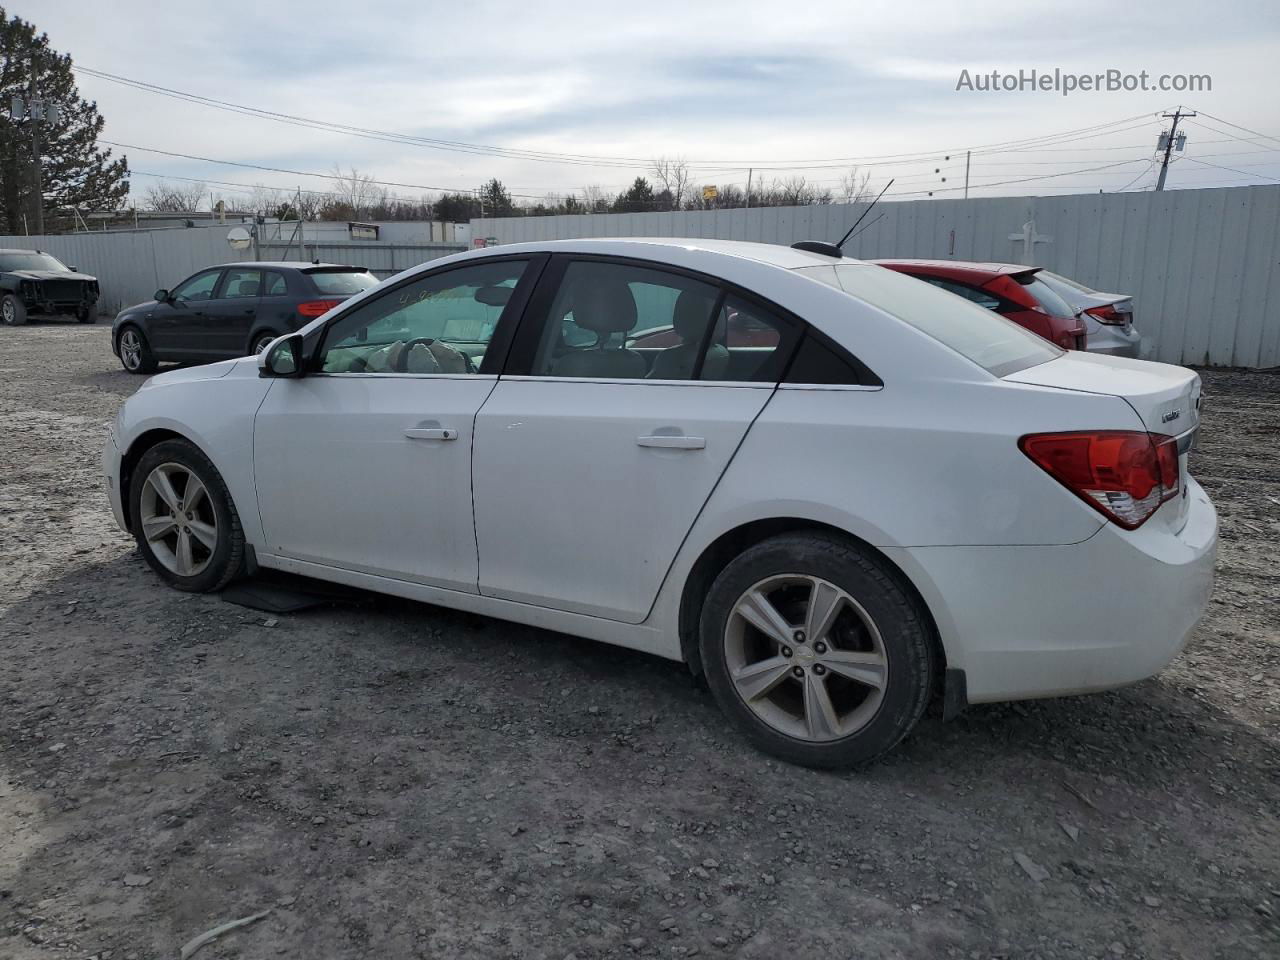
(1029, 239)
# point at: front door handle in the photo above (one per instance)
(672, 442)
(431, 433)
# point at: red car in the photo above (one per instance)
(1010, 290)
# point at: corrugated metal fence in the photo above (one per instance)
(132, 264)
(1203, 265)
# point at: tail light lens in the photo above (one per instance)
(1124, 475)
(315, 308)
(1107, 314)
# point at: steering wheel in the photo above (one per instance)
(402, 361)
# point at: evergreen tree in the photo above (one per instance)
(75, 172)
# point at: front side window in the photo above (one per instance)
(441, 323)
(199, 287)
(241, 284)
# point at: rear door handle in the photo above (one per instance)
(431, 433)
(672, 442)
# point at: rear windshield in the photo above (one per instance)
(1045, 295)
(997, 345)
(343, 282)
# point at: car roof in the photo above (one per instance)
(286, 265)
(653, 247)
(960, 269)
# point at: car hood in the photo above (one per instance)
(246, 366)
(50, 275)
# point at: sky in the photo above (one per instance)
(783, 90)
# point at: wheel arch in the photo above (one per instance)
(135, 452)
(720, 551)
(258, 331)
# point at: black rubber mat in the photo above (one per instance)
(274, 592)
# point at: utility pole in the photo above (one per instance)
(967, 154)
(37, 175)
(750, 170)
(1166, 142)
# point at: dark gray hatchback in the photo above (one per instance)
(231, 310)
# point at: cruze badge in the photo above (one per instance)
(1171, 415)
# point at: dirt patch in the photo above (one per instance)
(395, 780)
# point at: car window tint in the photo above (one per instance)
(199, 287)
(343, 282)
(1046, 297)
(754, 343)
(437, 324)
(997, 345)
(981, 298)
(819, 361)
(274, 285)
(622, 321)
(241, 284)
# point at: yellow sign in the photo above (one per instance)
(710, 193)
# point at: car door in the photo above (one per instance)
(588, 469)
(365, 463)
(172, 327)
(228, 319)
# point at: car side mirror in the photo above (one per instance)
(282, 358)
(162, 295)
(73, 268)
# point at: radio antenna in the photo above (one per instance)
(845, 238)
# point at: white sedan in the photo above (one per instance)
(834, 491)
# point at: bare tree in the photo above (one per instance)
(596, 199)
(178, 198)
(675, 177)
(854, 187)
(356, 190)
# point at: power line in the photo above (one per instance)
(588, 159)
(1247, 173)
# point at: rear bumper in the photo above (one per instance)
(1042, 621)
(1114, 341)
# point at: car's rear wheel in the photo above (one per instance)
(260, 342)
(12, 311)
(816, 651)
(135, 352)
(183, 519)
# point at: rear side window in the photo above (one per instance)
(821, 362)
(274, 285)
(1045, 296)
(997, 345)
(342, 282)
(241, 284)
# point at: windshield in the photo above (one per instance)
(343, 281)
(30, 260)
(997, 345)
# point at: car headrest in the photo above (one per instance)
(689, 318)
(247, 288)
(604, 307)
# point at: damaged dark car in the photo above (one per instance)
(35, 285)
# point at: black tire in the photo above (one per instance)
(12, 311)
(146, 361)
(903, 626)
(86, 315)
(227, 560)
(258, 342)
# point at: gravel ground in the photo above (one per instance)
(394, 780)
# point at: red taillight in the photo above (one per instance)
(1107, 314)
(315, 308)
(1125, 475)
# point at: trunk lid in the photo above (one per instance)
(1165, 397)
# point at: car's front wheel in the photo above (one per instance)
(12, 311)
(135, 352)
(183, 519)
(816, 651)
(86, 315)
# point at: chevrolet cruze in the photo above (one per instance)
(834, 491)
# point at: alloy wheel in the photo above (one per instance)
(7, 311)
(262, 343)
(178, 519)
(131, 349)
(806, 658)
